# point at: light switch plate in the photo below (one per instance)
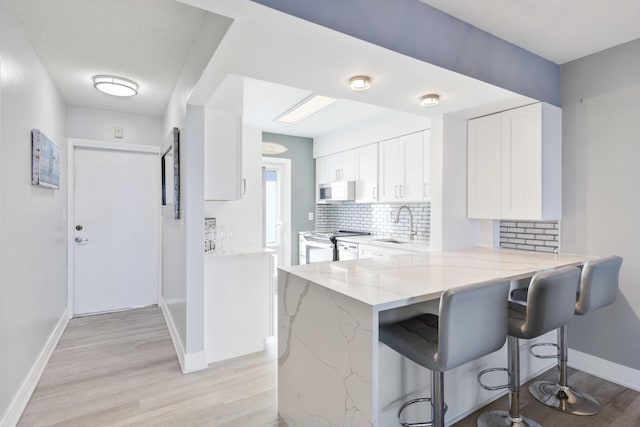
(118, 132)
(310, 216)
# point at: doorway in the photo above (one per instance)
(277, 208)
(114, 205)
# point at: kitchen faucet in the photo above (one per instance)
(412, 232)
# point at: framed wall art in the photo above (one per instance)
(170, 168)
(45, 161)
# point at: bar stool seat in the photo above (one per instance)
(471, 323)
(598, 288)
(551, 298)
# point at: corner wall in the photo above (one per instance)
(601, 207)
(90, 123)
(33, 229)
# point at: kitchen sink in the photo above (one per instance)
(389, 241)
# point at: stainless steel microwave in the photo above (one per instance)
(338, 191)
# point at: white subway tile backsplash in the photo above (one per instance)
(530, 236)
(376, 218)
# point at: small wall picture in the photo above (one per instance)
(45, 161)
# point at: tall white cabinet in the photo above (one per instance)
(514, 164)
(367, 174)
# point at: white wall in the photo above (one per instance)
(33, 232)
(601, 207)
(244, 216)
(385, 126)
(182, 281)
(88, 123)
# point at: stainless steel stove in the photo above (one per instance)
(321, 245)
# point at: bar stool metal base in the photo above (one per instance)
(501, 419)
(564, 399)
(419, 423)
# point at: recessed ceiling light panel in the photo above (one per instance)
(359, 83)
(116, 86)
(430, 100)
(304, 109)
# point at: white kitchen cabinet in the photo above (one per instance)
(401, 168)
(372, 251)
(426, 166)
(335, 167)
(367, 174)
(222, 155)
(514, 164)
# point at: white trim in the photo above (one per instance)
(103, 145)
(111, 145)
(605, 369)
(21, 399)
(189, 362)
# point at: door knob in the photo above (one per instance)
(81, 240)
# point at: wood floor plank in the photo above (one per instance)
(120, 369)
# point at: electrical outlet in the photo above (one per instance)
(118, 132)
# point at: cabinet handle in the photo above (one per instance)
(400, 186)
(375, 193)
(425, 189)
(244, 186)
(396, 191)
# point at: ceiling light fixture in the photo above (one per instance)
(430, 100)
(360, 83)
(304, 109)
(116, 86)
(273, 148)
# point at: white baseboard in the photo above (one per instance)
(21, 399)
(610, 371)
(189, 362)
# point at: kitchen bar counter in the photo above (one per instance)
(333, 371)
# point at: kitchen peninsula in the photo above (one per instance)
(331, 368)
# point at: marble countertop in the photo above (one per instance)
(374, 240)
(389, 282)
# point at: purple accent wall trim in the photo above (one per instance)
(418, 30)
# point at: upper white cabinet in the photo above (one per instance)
(401, 169)
(367, 174)
(426, 166)
(222, 155)
(335, 167)
(514, 164)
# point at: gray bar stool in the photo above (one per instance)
(598, 288)
(551, 300)
(472, 322)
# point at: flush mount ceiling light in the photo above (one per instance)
(273, 148)
(430, 100)
(304, 109)
(116, 86)
(360, 83)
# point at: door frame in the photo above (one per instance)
(72, 144)
(284, 165)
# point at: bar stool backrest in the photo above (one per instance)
(550, 300)
(598, 284)
(472, 322)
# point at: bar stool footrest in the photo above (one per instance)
(421, 423)
(545, 356)
(496, 387)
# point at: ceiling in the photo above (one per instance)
(558, 30)
(77, 39)
(143, 40)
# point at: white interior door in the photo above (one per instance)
(116, 215)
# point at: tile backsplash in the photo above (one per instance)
(540, 236)
(376, 218)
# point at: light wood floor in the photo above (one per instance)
(120, 369)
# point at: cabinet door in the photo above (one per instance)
(391, 169)
(367, 174)
(348, 165)
(522, 163)
(426, 169)
(412, 187)
(484, 167)
(222, 155)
